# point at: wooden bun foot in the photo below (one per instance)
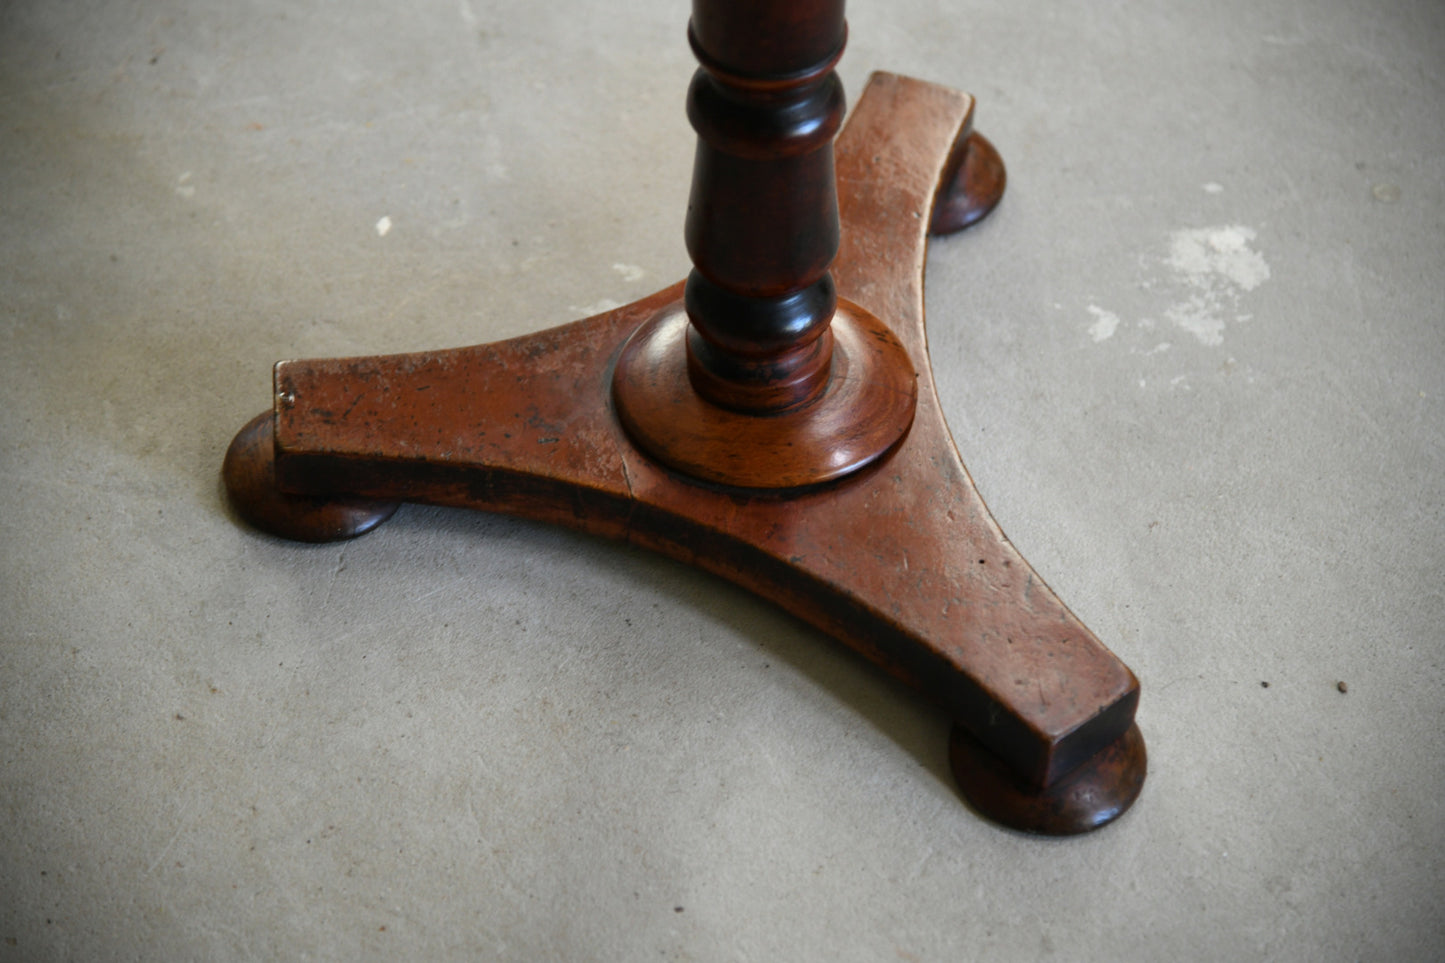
(1090, 797)
(973, 191)
(250, 475)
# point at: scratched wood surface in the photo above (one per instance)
(901, 561)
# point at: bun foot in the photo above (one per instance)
(967, 197)
(1090, 797)
(250, 475)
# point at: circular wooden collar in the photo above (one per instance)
(862, 414)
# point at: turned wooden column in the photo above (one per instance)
(762, 221)
(761, 377)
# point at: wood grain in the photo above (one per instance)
(900, 560)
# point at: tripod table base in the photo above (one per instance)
(898, 557)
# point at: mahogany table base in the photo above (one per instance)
(900, 559)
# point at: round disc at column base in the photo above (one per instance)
(861, 415)
(973, 191)
(249, 472)
(1090, 797)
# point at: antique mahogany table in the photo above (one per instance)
(772, 419)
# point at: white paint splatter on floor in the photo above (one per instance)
(1210, 253)
(1198, 284)
(1105, 323)
(1198, 317)
(1213, 188)
(629, 272)
(383, 226)
(1216, 265)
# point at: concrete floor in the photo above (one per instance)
(1196, 363)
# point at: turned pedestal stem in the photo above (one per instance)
(771, 382)
(762, 221)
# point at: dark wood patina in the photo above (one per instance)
(773, 419)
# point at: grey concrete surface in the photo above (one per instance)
(1196, 363)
